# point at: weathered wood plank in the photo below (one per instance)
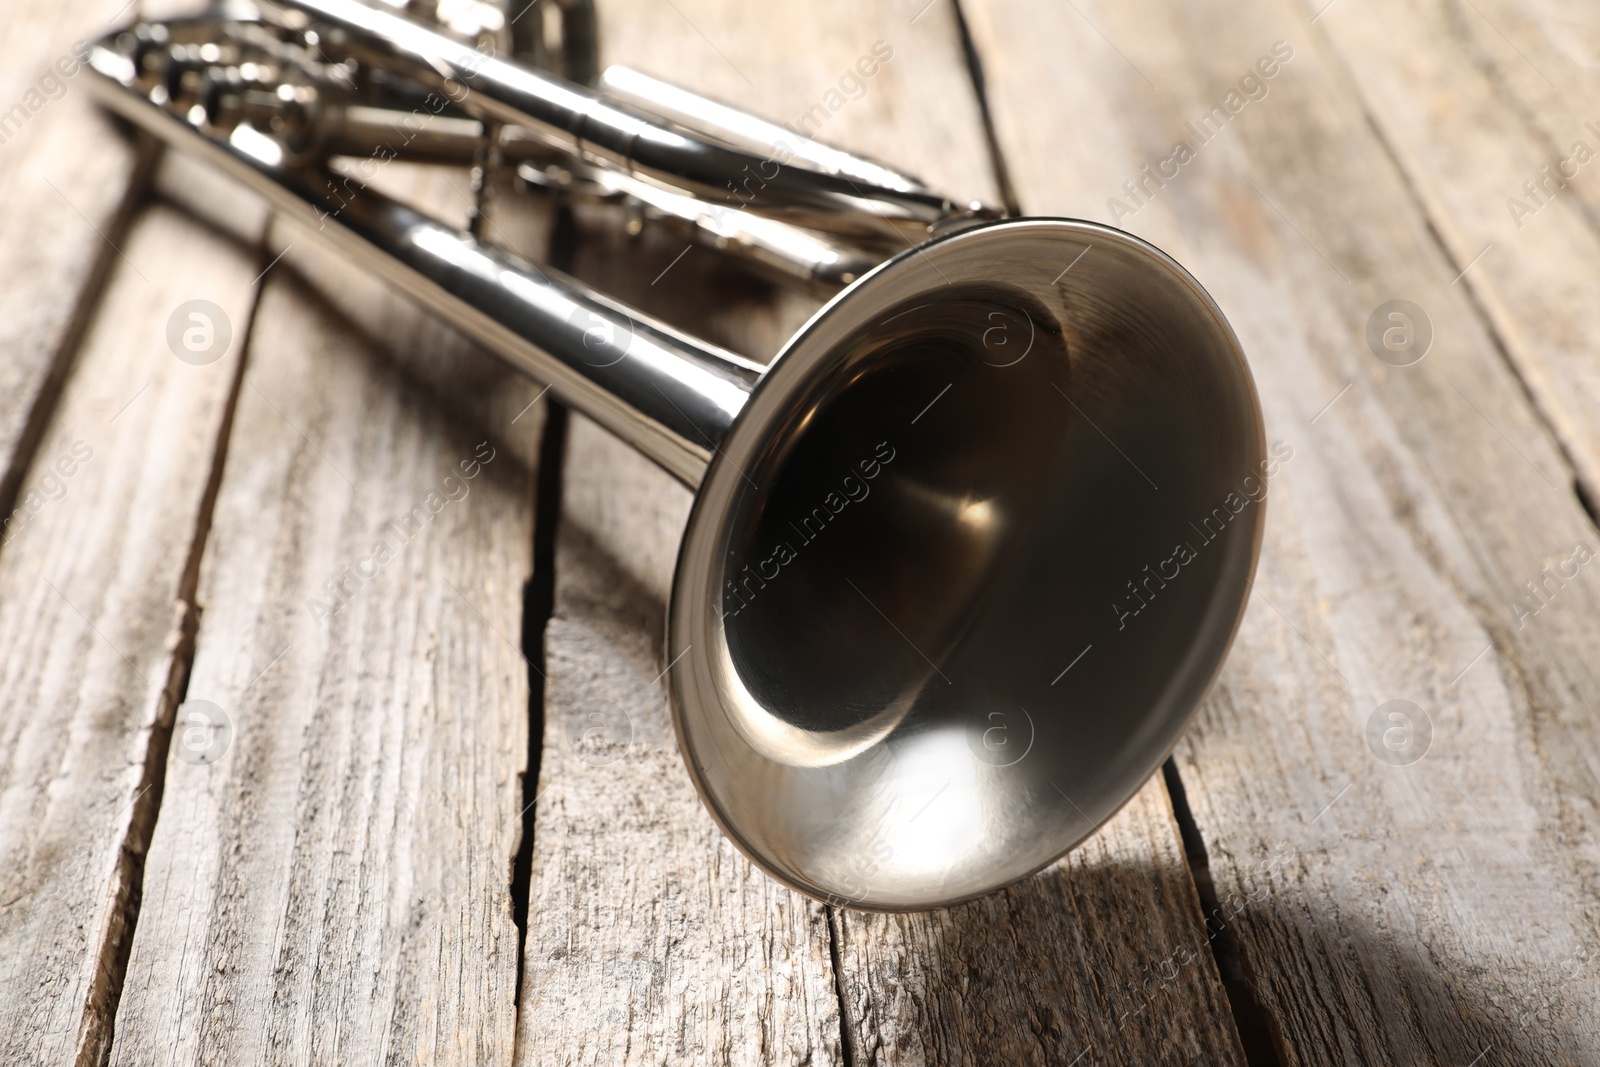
(651, 939)
(94, 612)
(645, 924)
(336, 884)
(70, 183)
(1437, 910)
(1495, 129)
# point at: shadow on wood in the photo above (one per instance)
(1467, 1018)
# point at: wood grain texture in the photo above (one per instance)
(70, 183)
(1440, 911)
(1101, 958)
(1490, 114)
(336, 885)
(94, 628)
(650, 939)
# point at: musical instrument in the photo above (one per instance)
(963, 558)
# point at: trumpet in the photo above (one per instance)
(963, 557)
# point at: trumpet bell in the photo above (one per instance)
(966, 563)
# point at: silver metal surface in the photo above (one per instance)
(933, 622)
(961, 562)
(742, 129)
(580, 121)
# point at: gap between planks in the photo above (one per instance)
(147, 801)
(120, 726)
(396, 726)
(538, 609)
(84, 304)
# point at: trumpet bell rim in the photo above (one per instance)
(838, 714)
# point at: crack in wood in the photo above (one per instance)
(539, 605)
(85, 303)
(997, 159)
(846, 1024)
(95, 1039)
(1258, 1034)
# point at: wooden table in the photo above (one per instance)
(270, 793)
